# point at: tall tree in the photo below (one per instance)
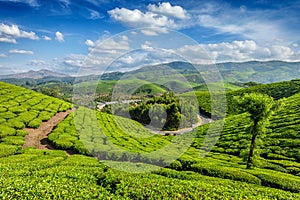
(260, 107)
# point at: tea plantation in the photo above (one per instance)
(20, 108)
(29, 173)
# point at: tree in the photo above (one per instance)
(260, 107)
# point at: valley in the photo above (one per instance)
(94, 154)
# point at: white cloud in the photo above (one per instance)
(75, 60)
(32, 3)
(95, 15)
(153, 31)
(8, 40)
(161, 17)
(2, 55)
(105, 51)
(112, 46)
(245, 50)
(10, 33)
(127, 59)
(47, 38)
(282, 52)
(146, 46)
(259, 25)
(136, 18)
(94, 2)
(37, 63)
(194, 54)
(59, 36)
(167, 9)
(89, 43)
(19, 51)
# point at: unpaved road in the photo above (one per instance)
(39, 137)
(201, 120)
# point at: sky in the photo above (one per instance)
(93, 36)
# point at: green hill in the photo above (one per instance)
(281, 142)
(52, 174)
(276, 90)
(20, 108)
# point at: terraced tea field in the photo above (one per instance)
(123, 147)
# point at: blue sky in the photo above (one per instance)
(91, 35)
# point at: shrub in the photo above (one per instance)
(278, 180)
(225, 172)
(14, 123)
(35, 123)
(3, 109)
(7, 150)
(13, 140)
(17, 109)
(6, 131)
(21, 133)
(7, 115)
(45, 116)
(176, 165)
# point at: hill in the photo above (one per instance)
(179, 76)
(276, 90)
(114, 141)
(256, 71)
(21, 108)
(279, 162)
(34, 74)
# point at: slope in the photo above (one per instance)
(22, 108)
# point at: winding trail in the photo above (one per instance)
(201, 121)
(39, 137)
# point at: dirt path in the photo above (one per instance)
(39, 137)
(201, 120)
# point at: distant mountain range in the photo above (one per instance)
(34, 74)
(261, 72)
(252, 71)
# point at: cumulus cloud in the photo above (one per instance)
(75, 60)
(194, 54)
(8, 40)
(161, 16)
(10, 33)
(146, 46)
(136, 18)
(154, 31)
(103, 52)
(89, 43)
(20, 51)
(47, 38)
(167, 9)
(245, 50)
(59, 36)
(37, 63)
(2, 55)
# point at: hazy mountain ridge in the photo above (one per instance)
(254, 71)
(34, 74)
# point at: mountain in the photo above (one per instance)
(262, 72)
(34, 74)
(251, 71)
